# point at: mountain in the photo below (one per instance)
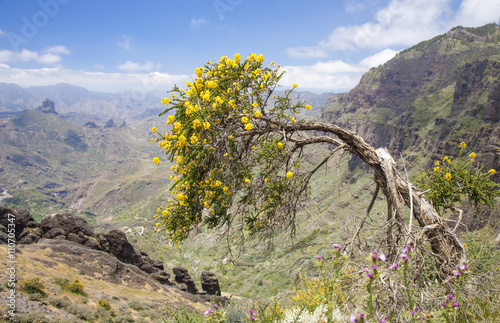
(431, 97)
(49, 164)
(421, 105)
(78, 104)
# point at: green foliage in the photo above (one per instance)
(81, 311)
(59, 302)
(451, 181)
(75, 287)
(104, 303)
(32, 286)
(220, 134)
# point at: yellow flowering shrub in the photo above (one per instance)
(453, 180)
(219, 133)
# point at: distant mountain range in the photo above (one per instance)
(78, 103)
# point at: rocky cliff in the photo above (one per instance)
(431, 97)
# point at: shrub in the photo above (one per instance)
(137, 305)
(81, 311)
(60, 302)
(32, 286)
(75, 287)
(104, 303)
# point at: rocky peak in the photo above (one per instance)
(47, 107)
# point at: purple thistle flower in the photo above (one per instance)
(455, 304)
(394, 266)
(370, 275)
(408, 248)
(382, 257)
(375, 250)
(253, 318)
(442, 304)
(216, 306)
(374, 257)
(451, 296)
(353, 318)
(362, 315)
(319, 257)
(456, 273)
(251, 312)
(336, 246)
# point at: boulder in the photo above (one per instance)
(21, 219)
(210, 283)
(182, 277)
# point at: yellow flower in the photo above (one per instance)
(156, 160)
(153, 129)
(247, 181)
(206, 125)
(255, 104)
(170, 120)
(193, 139)
(463, 145)
(308, 107)
(292, 120)
(260, 58)
(249, 126)
(294, 85)
(177, 126)
(165, 101)
(237, 58)
(199, 71)
(436, 163)
(151, 139)
(436, 169)
(244, 119)
(447, 177)
(289, 175)
(492, 171)
(472, 156)
(257, 114)
(280, 145)
(252, 58)
(230, 137)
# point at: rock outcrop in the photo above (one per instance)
(210, 283)
(72, 235)
(47, 107)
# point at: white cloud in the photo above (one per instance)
(333, 75)
(2, 33)
(96, 81)
(126, 42)
(305, 52)
(50, 55)
(58, 50)
(378, 58)
(402, 23)
(133, 66)
(474, 13)
(195, 22)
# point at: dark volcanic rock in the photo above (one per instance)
(72, 227)
(47, 107)
(182, 277)
(20, 222)
(210, 283)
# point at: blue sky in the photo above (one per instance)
(111, 45)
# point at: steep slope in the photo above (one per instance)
(431, 97)
(49, 164)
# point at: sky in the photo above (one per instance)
(150, 45)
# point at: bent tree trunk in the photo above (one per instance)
(445, 244)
